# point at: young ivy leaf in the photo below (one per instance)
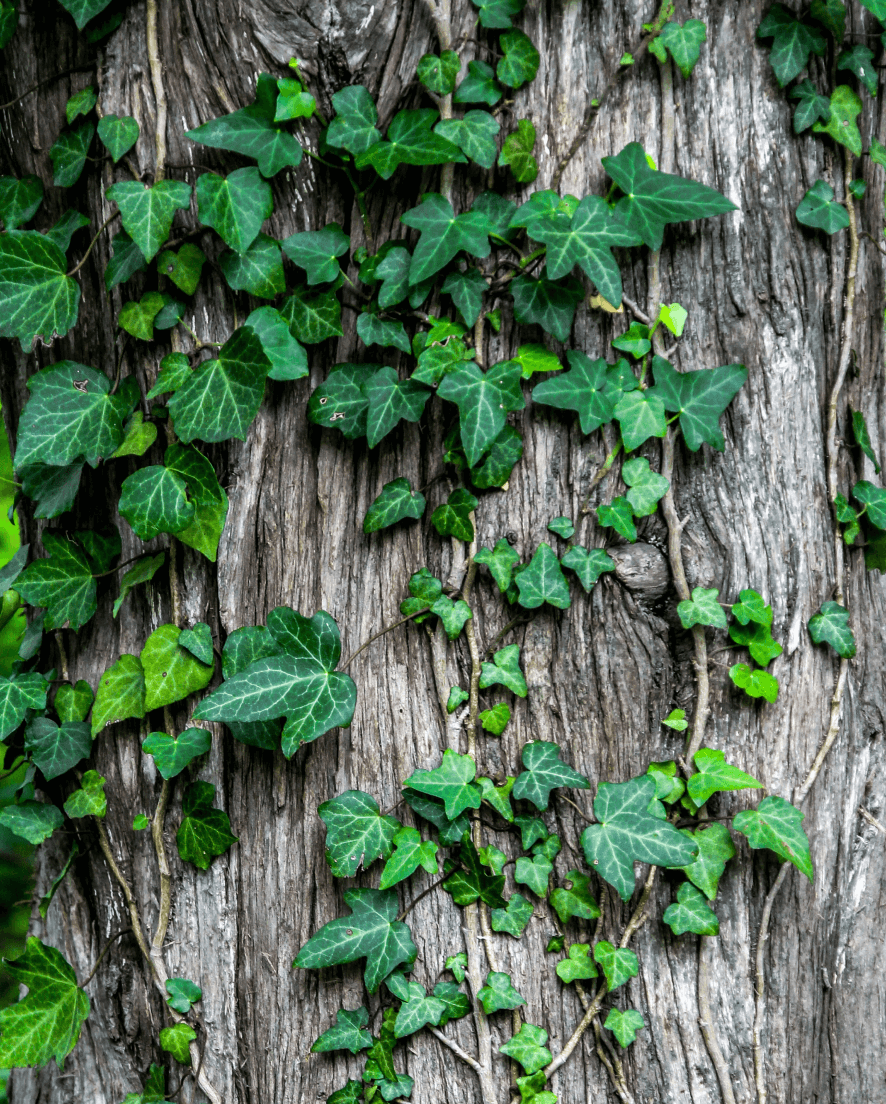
(543, 581)
(859, 59)
(499, 993)
(626, 832)
(520, 62)
(831, 626)
(819, 210)
(452, 782)
(479, 86)
(755, 683)
(63, 583)
(354, 126)
(349, 1033)
(776, 825)
(409, 141)
(575, 898)
(683, 43)
(371, 932)
(147, 212)
(498, 14)
(635, 340)
(715, 849)
(356, 833)
(545, 771)
(699, 398)
(411, 853)
(443, 234)
(547, 303)
(458, 964)
(842, 127)
(715, 774)
(703, 609)
(498, 797)
(176, 1040)
(69, 151)
(182, 994)
(504, 671)
(653, 199)
(453, 519)
(618, 963)
(691, 913)
(640, 415)
(874, 498)
(750, 608)
(439, 74)
(514, 918)
(534, 872)
(495, 720)
(624, 1025)
(500, 560)
(118, 134)
(577, 966)
(235, 206)
(170, 755)
(647, 487)
(618, 515)
(473, 880)
(812, 106)
(417, 1011)
(528, 1048)
(90, 799)
(792, 42)
(516, 152)
(758, 640)
(171, 673)
(395, 502)
(582, 388)
(863, 438)
(293, 102)
(120, 694)
(45, 1023)
(72, 703)
(205, 831)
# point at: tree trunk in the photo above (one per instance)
(760, 290)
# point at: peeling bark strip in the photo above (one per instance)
(760, 289)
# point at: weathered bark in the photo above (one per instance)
(760, 290)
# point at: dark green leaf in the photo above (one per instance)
(411, 853)
(182, 994)
(63, 583)
(205, 831)
(454, 518)
(147, 212)
(483, 400)
(31, 821)
(474, 880)
(842, 127)
(452, 782)
(793, 42)
(55, 749)
(288, 358)
(467, 289)
(775, 824)
(354, 125)
(154, 500)
(251, 132)
(317, 252)
(812, 106)
(68, 153)
(451, 832)
(349, 1033)
(512, 920)
(409, 141)
(582, 388)
(474, 134)
(498, 14)
(235, 206)
(618, 515)
(544, 772)
(143, 571)
(863, 438)
(534, 872)
(504, 671)
(699, 398)
(395, 503)
(870, 496)
(831, 626)
(520, 62)
(516, 151)
(504, 452)
(548, 303)
(19, 200)
(391, 399)
(818, 209)
(479, 86)
(457, 1004)
(118, 134)
(126, 261)
(170, 755)
(859, 59)
(312, 318)
(356, 832)
(439, 74)
(37, 298)
(373, 330)
(443, 234)
(259, 270)
(832, 16)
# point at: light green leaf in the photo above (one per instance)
(715, 775)
(519, 64)
(182, 268)
(647, 487)
(528, 1048)
(411, 852)
(453, 614)
(370, 932)
(863, 438)
(90, 799)
(182, 994)
(138, 437)
(127, 259)
(754, 682)
(499, 993)
(818, 209)
(456, 696)
(544, 772)
(702, 609)
(395, 502)
(479, 86)
(715, 849)
(72, 703)
(504, 671)
(63, 583)
(624, 1025)
(562, 526)
(750, 608)
(204, 831)
(205, 530)
(312, 318)
(758, 639)
(32, 821)
(776, 825)
(618, 963)
(55, 749)
(118, 134)
(170, 755)
(831, 626)
(46, 1022)
(120, 694)
(176, 1040)
(676, 719)
(417, 1011)
(439, 74)
(684, 43)
(235, 206)
(516, 151)
(587, 565)
(452, 782)
(147, 212)
(495, 720)
(842, 127)
(534, 872)
(874, 498)
(171, 672)
(37, 298)
(575, 898)
(443, 234)
(500, 561)
(68, 153)
(293, 102)
(354, 126)
(577, 966)
(349, 1033)
(458, 964)
(19, 200)
(356, 833)
(457, 1004)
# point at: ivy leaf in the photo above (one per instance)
(458, 964)
(395, 503)
(543, 581)
(350, 1093)
(205, 531)
(120, 694)
(860, 61)
(182, 994)
(317, 252)
(452, 782)
(37, 298)
(176, 1040)
(618, 963)
(635, 340)
(775, 824)
(197, 472)
(19, 200)
(498, 14)
(182, 268)
(641, 415)
(205, 831)
(715, 774)
(626, 832)
(534, 872)
(500, 561)
(831, 626)
(349, 1033)
(457, 1004)
(170, 755)
(474, 880)
(154, 500)
(68, 153)
(409, 141)
(715, 849)
(354, 126)
(46, 1023)
(575, 899)
(313, 318)
(32, 821)
(259, 270)
(528, 1048)
(474, 134)
(453, 614)
(495, 720)
(792, 44)
(300, 683)
(842, 127)
(587, 240)
(451, 831)
(516, 151)
(373, 330)
(251, 132)
(750, 607)
(582, 388)
(479, 86)
(874, 498)
(483, 400)
(754, 682)
(832, 16)
(647, 487)
(438, 74)
(63, 583)
(699, 398)
(577, 966)
(703, 609)
(147, 212)
(544, 772)
(863, 438)
(222, 397)
(411, 852)
(624, 1025)
(370, 932)
(520, 62)
(417, 1011)
(684, 43)
(127, 259)
(289, 360)
(652, 199)
(356, 833)
(171, 672)
(293, 102)
(812, 106)
(72, 703)
(442, 234)
(467, 289)
(504, 671)
(532, 1090)
(504, 452)
(453, 519)
(877, 8)
(758, 640)
(118, 134)
(55, 749)
(818, 209)
(234, 206)
(138, 437)
(390, 400)
(90, 799)
(549, 304)
(499, 993)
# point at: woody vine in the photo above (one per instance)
(433, 297)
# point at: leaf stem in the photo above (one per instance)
(87, 68)
(110, 943)
(347, 663)
(425, 892)
(91, 245)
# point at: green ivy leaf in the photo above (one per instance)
(546, 303)
(842, 127)
(618, 515)
(170, 755)
(356, 833)
(251, 132)
(504, 452)
(410, 141)
(758, 640)
(63, 583)
(543, 581)
(699, 398)
(72, 703)
(349, 1033)
(354, 126)
(19, 200)
(495, 720)
(442, 234)
(635, 341)
(395, 503)
(831, 626)
(126, 261)
(69, 223)
(534, 872)
(370, 932)
(832, 16)
(90, 799)
(872, 497)
(859, 59)
(32, 821)
(439, 74)
(118, 134)
(577, 966)
(819, 210)
(182, 268)
(715, 775)
(373, 330)
(582, 388)
(653, 199)
(457, 696)
(863, 438)
(120, 694)
(453, 615)
(171, 672)
(153, 500)
(452, 782)
(792, 44)
(259, 270)
(618, 963)
(812, 106)
(626, 832)
(289, 360)
(458, 964)
(647, 487)
(587, 565)
(235, 206)
(641, 415)
(715, 849)
(474, 134)
(703, 609)
(46, 1023)
(520, 62)
(351, 1093)
(317, 252)
(293, 102)
(417, 1011)
(68, 153)
(528, 1048)
(147, 212)
(453, 519)
(624, 1025)
(457, 1004)
(467, 289)
(504, 671)
(750, 608)
(53, 749)
(37, 298)
(684, 43)
(575, 898)
(411, 852)
(499, 993)
(176, 1040)
(544, 772)
(500, 561)
(312, 318)
(498, 14)
(391, 399)
(516, 152)
(775, 824)
(473, 880)
(205, 831)
(755, 683)
(483, 400)
(451, 831)
(479, 86)
(137, 318)
(182, 994)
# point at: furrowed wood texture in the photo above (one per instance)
(761, 290)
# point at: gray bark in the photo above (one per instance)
(760, 290)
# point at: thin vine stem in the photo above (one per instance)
(91, 245)
(156, 66)
(86, 68)
(110, 943)
(388, 628)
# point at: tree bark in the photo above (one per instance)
(761, 290)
